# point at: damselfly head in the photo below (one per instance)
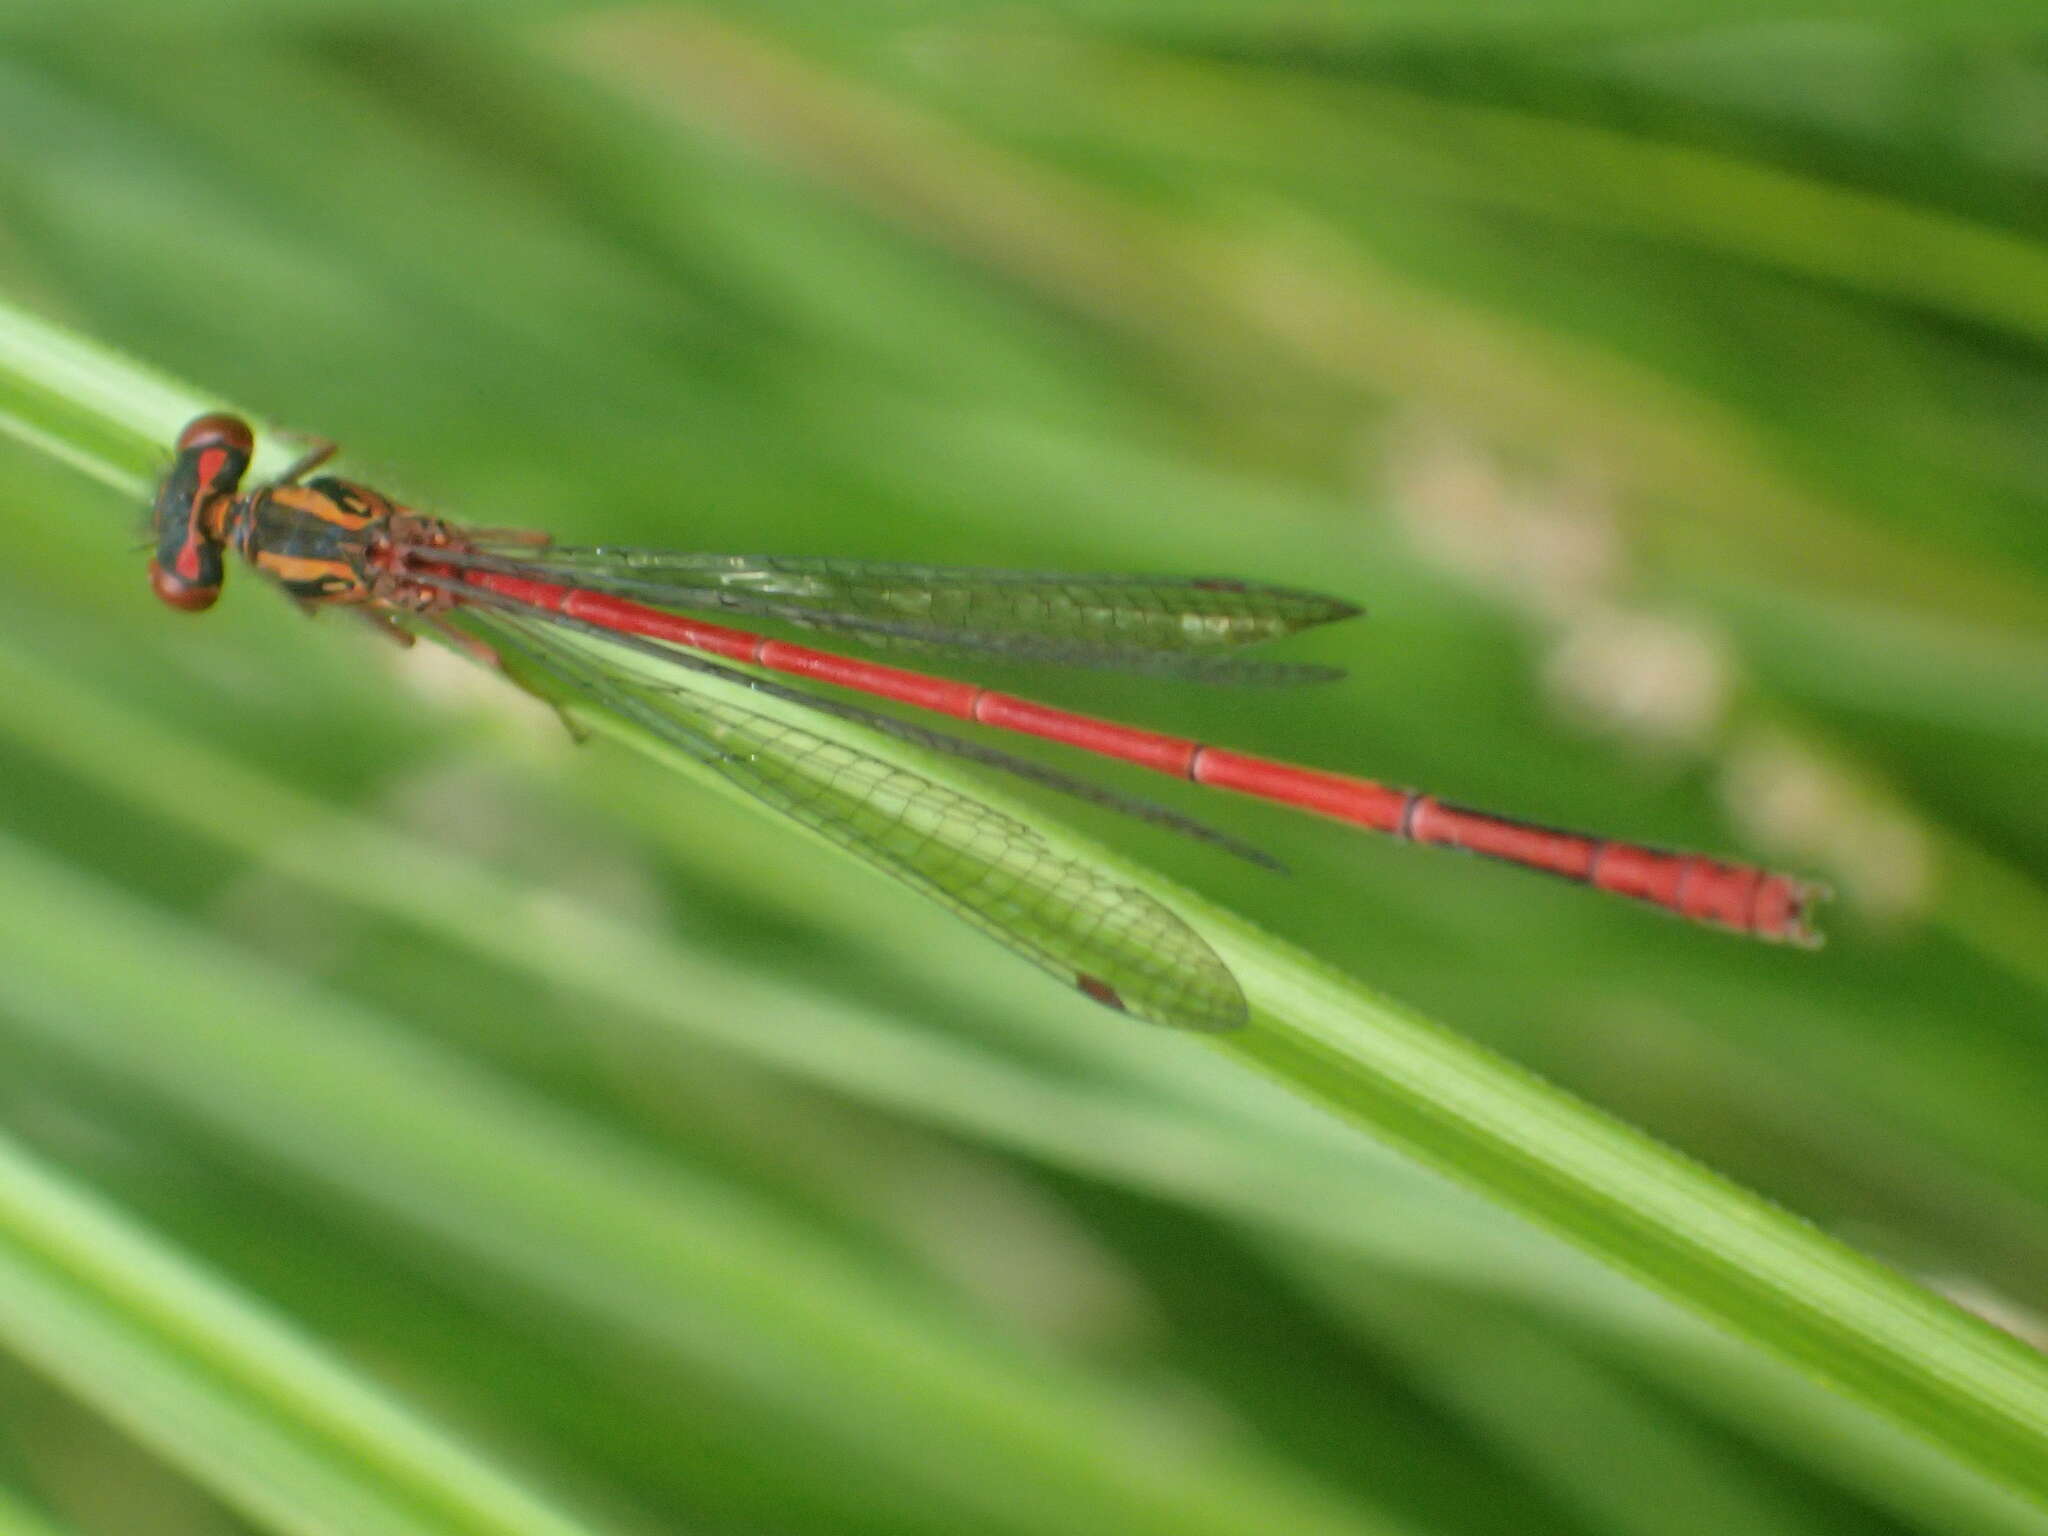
(190, 513)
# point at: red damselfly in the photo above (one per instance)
(574, 615)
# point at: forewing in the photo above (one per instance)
(1181, 626)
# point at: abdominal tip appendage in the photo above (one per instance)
(1793, 924)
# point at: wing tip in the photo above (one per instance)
(1218, 1015)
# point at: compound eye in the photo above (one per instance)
(190, 596)
(218, 431)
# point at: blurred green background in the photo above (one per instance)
(1667, 382)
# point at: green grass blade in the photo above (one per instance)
(221, 1388)
(692, 1273)
(18, 1519)
(1851, 1322)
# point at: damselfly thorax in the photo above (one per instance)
(332, 541)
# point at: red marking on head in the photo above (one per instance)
(218, 430)
(180, 593)
(1100, 990)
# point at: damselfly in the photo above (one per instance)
(611, 629)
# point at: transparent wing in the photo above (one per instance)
(1111, 941)
(1178, 626)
